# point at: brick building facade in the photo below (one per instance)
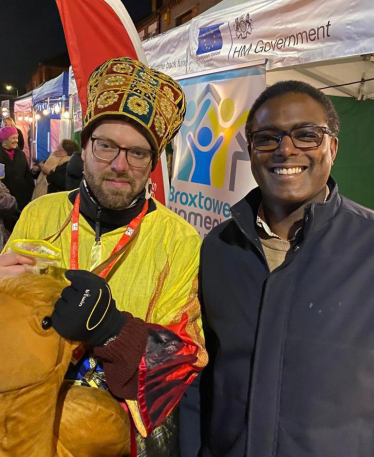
(168, 14)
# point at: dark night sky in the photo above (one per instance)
(31, 32)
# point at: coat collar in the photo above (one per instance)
(316, 215)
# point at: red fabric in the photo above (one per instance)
(142, 396)
(158, 183)
(10, 153)
(162, 383)
(93, 33)
(161, 394)
(157, 384)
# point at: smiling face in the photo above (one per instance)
(288, 175)
(11, 142)
(116, 184)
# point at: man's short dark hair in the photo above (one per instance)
(69, 146)
(297, 87)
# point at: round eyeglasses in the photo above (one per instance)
(308, 137)
(107, 151)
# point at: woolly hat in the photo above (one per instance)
(126, 89)
(6, 132)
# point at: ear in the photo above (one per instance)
(249, 148)
(333, 149)
(83, 155)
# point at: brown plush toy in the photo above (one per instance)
(40, 414)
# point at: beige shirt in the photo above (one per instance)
(275, 249)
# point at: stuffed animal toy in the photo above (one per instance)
(41, 415)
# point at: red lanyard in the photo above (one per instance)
(126, 237)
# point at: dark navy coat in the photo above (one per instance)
(291, 370)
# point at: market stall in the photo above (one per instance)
(326, 44)
(23, 119)
(50, 108)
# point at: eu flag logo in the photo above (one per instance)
(210, 39)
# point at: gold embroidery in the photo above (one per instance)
(137, 105)
(146, 88)
(123, 68)
(147, 77)
(152, 94)
(169, 93)
(160, 125)
(114, 80)
(166, 107)
(107, 99)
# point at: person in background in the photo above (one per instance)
(8, 122)
(17, 175)
(8, 208)
(52, 174)
(74, 171)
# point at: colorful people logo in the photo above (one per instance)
(229, 130)
(191, 123)
(203, 152)
(206, 136)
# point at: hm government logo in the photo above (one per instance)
(209, 39)
(243, 26)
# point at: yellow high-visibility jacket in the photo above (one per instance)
(155, 280)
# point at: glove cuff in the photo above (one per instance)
(110, 327)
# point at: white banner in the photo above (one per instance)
(285, 32)
(168, 52)
(211, 168)
(72, 83)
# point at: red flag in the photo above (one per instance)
(95, 31)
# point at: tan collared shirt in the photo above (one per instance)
(275, 249)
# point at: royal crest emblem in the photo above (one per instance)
(243, 26)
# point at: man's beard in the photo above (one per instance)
(113, 198)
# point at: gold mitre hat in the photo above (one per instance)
(126, 89)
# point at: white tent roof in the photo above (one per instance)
(332, 73)
(342, 56)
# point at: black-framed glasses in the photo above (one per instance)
(107, 151)
(308, 137)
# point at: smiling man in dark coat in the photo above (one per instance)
(287, 287)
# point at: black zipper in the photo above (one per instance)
(98, 224)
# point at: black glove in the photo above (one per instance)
(86, 310)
